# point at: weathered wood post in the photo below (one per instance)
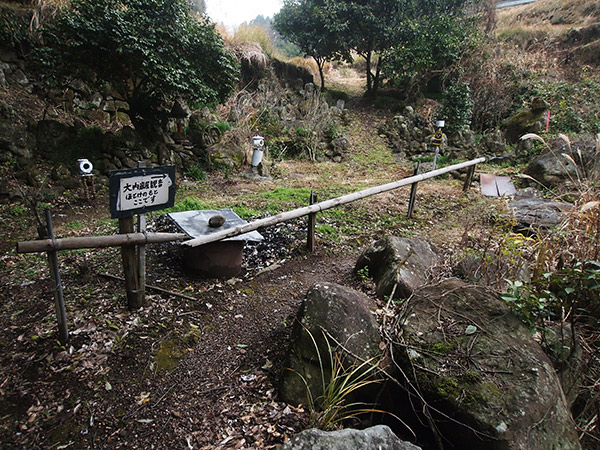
(312, 222)
(141, 256)
(141, 251)
(413, 193)
(59, 300)
(469, 178)
(130, 267)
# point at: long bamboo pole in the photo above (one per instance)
(72, 243)
(45, 245)
(327, 204)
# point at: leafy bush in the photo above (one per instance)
(302, 132)
(573, 106)
(223, 126)
(336, 95)
(571, 292)
(457, 107)
(14, 28)
(433, 43)
(169, 52)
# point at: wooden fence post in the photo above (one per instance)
(312, 222)
(469, 178)
(413, 193)
(141, 252)
(59, 299)
(130, 267)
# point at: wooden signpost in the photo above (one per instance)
(135, 192)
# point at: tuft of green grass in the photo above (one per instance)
(246, 212)
(197, 173)
(328, 231)
(338, 383)
(75, 225)
(17, 210)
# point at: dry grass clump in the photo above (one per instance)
(568, 269)
(255, 33)
(345, 77)
(572, 13)
(44, 10)
(307, 63)
(578, 239)
(496, 76)
(545, 21)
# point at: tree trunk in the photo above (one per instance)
(369, 75)
(377, 78)
(320, 63)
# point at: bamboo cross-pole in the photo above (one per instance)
(74, 243)
(324, 205)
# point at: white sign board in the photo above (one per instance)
(137, 191)
(145, 191)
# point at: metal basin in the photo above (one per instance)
(216, 259)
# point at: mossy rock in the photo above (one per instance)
(524, 121)
(400, 262)
(479, 365)
(329, 315)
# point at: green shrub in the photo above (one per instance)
(570, 292)
(14, 27)
(223, 126)
(302, 132)
(197, 173)
(457, 107)
(335, 95)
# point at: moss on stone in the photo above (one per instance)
(168, 355)
(442, 347)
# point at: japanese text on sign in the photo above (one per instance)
(143, 191)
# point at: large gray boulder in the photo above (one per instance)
(492, 269)
(566, 164)
(404, 262)
(534, 212)
(552, 169)
(490, 383)
(330, 314)
(379, 437)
